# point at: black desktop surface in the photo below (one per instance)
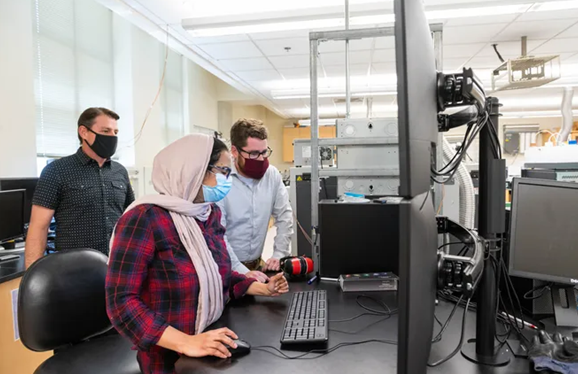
(259, 321)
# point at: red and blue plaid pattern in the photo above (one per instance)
(152, 283)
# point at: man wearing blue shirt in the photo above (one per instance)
(258, 194)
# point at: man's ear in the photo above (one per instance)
(234, 151)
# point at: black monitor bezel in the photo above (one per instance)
(23, 192)
(511, 237)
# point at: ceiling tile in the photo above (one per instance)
(387, 42)
(572, 32)
(220, 39)
(452, 64)
(299, 73)
(481, 62)
(383, 55)
(338, 58)
(246, 64)
(550, 15)
(534, 29)
(290, 62)
(483, 20)
(462, 50)
(557, 46)
(227, 51)
(471, 34)
(276, 47)
(261, 75)
(384, 68)
(354, 70)
(508, 50)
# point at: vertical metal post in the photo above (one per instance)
(438, 188)
(491, 223)
(524, 46)
(314, 50)
(347, 72)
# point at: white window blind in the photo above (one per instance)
(172, 96)
(74, 69)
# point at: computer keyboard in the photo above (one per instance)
(306, 320)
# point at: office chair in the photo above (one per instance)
(61, 307)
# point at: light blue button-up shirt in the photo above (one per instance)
(246, 212)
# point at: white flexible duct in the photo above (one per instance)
(467, 196)
(566, 116)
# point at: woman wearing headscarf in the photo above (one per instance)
(169, 273)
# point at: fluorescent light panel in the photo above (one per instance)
(383, 19)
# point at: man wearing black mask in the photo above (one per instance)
(86, 192)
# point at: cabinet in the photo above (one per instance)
(292, 133)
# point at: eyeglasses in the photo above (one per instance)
(253, 155)
(226, 171)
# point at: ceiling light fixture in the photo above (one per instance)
(315, 24)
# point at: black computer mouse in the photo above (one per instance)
(243, 348)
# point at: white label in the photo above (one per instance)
(14, 294)
(306, 152)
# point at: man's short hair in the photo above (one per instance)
(246, 128)
(87, 117)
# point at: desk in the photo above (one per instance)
(259, 322)
(14, 357)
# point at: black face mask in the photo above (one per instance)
(104, 146)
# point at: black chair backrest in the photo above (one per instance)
(61, 300)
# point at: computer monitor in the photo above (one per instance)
(12, 214)
(416, 97)
(543, 241)
(28, 184)
(418, 129)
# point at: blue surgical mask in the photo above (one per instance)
(217, 193)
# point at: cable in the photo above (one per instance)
(460, 343)
(424, 200)
(439, 335)
(369, 311)
(541, 290)
(319, 352)
(442, 200)
(498, 53)
(161, 84)
(363, 328)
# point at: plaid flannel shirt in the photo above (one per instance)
(152, 284)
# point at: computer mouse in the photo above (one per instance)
(243, 348)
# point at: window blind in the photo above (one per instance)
(74, 69)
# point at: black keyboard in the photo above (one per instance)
(306, 320)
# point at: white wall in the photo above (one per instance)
(203, 98)
(17, 124)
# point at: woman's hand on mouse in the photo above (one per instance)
(210, 343)
(277, 285)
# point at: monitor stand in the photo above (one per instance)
(565, 307)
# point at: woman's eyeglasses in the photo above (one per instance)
(226, 171)
(253, 155)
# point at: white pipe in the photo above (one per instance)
(566, 116)
(467, 196)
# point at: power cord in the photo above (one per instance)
(319, 352)
(460, 343)
(541, 291)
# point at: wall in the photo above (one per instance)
(203, 97)
(231, 112)
(18, 124)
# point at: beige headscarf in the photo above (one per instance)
(178, 172)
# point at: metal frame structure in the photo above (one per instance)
(346, 35)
